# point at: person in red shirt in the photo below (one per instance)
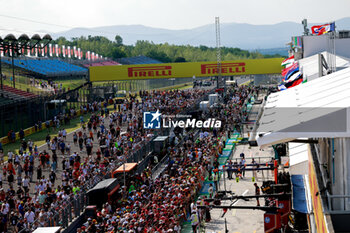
(11, 168)
(76, 165)
(76, 174)
(91, 135)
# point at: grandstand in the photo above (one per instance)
(47, 67)
(4, 100)
(138, 60)
(19, 109)
(13, 93)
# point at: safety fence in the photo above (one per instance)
(31, 130)
(195, 195)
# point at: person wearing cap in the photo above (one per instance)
(87, 223)
(14, 218)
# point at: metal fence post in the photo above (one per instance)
(70, 211)
(56, 219)
(65, 218)
(76, 207)
(81, 201)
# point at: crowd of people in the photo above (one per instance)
(38, 183)
(162, 204)
(48, 85)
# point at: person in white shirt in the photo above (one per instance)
(68, 148)
(26, 184)
(67, 164)
(53, 146)
(5, 208)
(9, 155)
(199, 153)
(29, 215)
(41, 187)
(37, 187)
(64, 134)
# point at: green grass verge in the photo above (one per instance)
(39, 137)
(24, 87)
(71, 84)
(22, 82)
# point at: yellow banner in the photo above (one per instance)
(185, 70)
(321, 226)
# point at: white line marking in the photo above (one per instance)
(245, 192)
(235, 210)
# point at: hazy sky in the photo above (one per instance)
(171, 14)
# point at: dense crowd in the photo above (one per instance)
(162, 204)
(30, 199)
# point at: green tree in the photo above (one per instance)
(118, 53)
(118, 40)
(180, 59)
(162, 52)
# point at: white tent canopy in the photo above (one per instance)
(315, 109)
(309, 65)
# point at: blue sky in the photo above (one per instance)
(170, 14)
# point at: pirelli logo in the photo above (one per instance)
(149, 71)
(226, 68)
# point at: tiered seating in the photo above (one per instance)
(4, 101)
(13, 92)
(48, 67)
(138, 60)
(102, 63)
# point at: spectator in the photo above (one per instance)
(21, 134)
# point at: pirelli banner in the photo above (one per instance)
(185, 70)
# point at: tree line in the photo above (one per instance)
(162, 52)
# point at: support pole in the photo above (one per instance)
(276, 171)
(13, 70)
(223, 173)
(1, 72)
(218, 51)
(320, 67)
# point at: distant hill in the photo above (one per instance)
(273, 51)
(244, 36)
